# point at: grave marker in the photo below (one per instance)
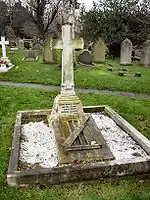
(86, 58)
(4, 43)
(145, 57)
(99, 51)
(5, 63)
(49, 54)
(126, 52)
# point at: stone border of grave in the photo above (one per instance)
(70, 174)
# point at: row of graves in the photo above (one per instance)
(33, 48)
(97, 53)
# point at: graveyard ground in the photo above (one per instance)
(97, 77)
(12, 99)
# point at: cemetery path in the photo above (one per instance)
(79, 90)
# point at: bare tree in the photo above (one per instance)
(43, 13)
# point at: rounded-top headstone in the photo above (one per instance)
(99, 51)
(126, 52)
(85, 58)
(145, 56)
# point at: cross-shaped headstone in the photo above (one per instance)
(68, 45)
(4, 43)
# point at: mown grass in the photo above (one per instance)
(136, 111)
(97, 77)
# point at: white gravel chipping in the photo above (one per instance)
(119, 142)
(39, 145)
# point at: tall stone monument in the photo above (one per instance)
(145, 57)
(67, 116)
(126, 52)
(98, 51)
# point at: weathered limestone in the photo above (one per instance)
(126, 52)
(68, 45)
(71, 125)
(145, 57)
(49, 54)
(99, 51)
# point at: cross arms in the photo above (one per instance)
(74, 44)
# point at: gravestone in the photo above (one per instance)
(49, 54)
(21, 44)
(36, 45)
(30, 55)
(68, 118)
(126, 52)
(145, 56)
(85, 58)
(99, 51)
(28, 43)
(5, 63)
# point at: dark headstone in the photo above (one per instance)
(85, 58)
(110, 69)
(124, 70)
(138, 74)
(27, 45)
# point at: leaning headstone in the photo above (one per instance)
(5, 63)
(30, 55)
(85, 58)
(49, 54)
(145, 57)
(126, 52)
(99, 51)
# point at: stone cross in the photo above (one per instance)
(68, 45)
(4, 43)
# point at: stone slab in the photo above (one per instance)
(72, 173)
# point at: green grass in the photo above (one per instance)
(96, 77)
(136, 111)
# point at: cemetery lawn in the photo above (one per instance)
(12, 99)
(97, 77)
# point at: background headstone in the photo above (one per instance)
(30, 55)
(99, 51)
(49, 54)
(36, 45)
(85, 58)
(126, 52)
(145, 57)
(21, 44)
(28, 43)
